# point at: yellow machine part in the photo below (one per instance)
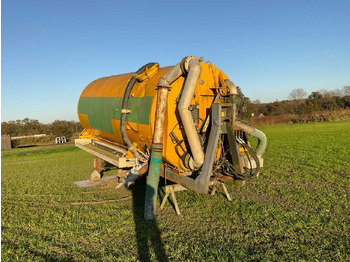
(99, 108)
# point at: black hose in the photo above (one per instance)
(256, 159)
(227, 168)
(127, 92)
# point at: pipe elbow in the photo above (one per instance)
(258, 134)
(191, 66)
(194, 65)
(191, 62)
(231, 86)
(260, 149)
(169, 77)
(163, 82)
(196, 164)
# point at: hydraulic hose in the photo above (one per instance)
(127, 92)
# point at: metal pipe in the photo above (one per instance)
(156, 155)
(231, 86)
(194, 71)
(154, 169)
(262, 140)
(169, 77)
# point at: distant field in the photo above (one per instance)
(296, 210)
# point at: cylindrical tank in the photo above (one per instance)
(100, 109)
(177, 122)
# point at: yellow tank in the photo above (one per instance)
(100, 107)
(179, 122)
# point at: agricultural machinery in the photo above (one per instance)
(182, 123)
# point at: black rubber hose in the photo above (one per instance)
(256, 159)
(233, 171)
(127, 92)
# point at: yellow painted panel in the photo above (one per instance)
(84, 121)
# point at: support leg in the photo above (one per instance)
(98, 168)
(215, 186)
(226, 192)
(165, 199)
(175, 202)
(171, 189)
(95, 176)
(99, 164)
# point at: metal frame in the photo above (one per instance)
(105, 152)
(201, 182)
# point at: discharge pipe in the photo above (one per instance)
(157, 143)
(254, 132)
(231, 86)
(192, 66)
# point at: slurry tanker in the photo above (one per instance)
(182, 123)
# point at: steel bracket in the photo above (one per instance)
(201, 182)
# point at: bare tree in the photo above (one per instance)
(297, 94)
(346, 90)
(323, 91)
(336, 92)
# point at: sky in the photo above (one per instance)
(51, 50)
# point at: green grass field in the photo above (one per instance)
(296, 210)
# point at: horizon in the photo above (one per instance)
(333, 93)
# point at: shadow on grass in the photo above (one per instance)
(26, 146)
(148, 234)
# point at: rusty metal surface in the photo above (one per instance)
(160, 115)
(6, 142)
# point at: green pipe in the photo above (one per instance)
(156, 154)
(152, 182)
(254, 132)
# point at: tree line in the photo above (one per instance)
(27, 127)
(299, 102)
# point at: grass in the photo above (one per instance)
(296, 210)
